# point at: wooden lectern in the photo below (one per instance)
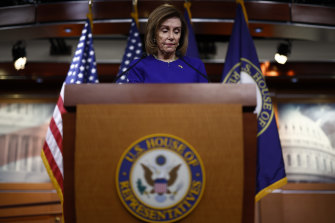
(105, 119)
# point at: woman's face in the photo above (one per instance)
(167, 36)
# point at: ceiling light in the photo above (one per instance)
(68, 30)
(294, 80)
(258, 30)
(280, 58)
(283, 51)
(19, 55)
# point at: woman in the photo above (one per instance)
(166, 43)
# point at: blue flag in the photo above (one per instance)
(242, 66)
(134, 50)
(192, 49)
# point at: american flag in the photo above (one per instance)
(134, 50)
(82, 70)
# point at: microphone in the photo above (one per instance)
(144, 55)
(198, 71)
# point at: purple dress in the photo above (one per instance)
(151, 70)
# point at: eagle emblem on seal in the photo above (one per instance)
(159, 179)
(160, 184)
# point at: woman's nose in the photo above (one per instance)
(171, 36)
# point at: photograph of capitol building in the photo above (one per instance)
(22, 131)
(307, 135)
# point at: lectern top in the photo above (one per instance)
(244, 94)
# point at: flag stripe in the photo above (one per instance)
(54, 149)
(57, 115)
(57, 136)
(54, 181)
(53, 166)
(60, 104)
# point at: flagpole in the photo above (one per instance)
(90, 14)
(134, 13)
(187, 6)
(241, 2)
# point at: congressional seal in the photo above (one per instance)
(246, 72)
(160, 178)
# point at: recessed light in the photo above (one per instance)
(258, 30)
(294, 80)
(67, 30)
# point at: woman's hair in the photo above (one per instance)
(155, 20)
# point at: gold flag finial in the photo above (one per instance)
(134, 14)
(187, 6)
(90, 14)
(243, 9)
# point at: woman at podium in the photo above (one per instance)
(166, 42)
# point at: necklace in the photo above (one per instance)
(167, 61)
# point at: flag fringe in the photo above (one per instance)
(52, 178)
(270, 188)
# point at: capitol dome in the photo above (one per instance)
(307, 151)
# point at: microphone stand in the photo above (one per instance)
(144, 55)
(198, 71)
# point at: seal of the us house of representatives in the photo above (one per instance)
(160, 178)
